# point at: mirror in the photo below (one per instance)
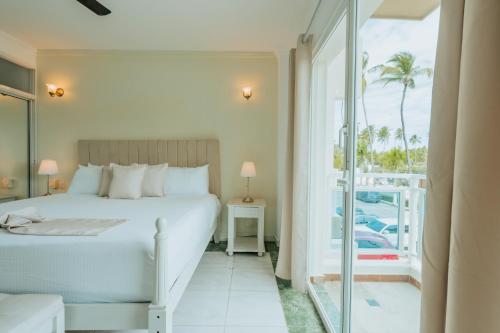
(14, 148)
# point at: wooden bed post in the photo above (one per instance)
(160, 314)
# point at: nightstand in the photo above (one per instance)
(239, 209)
(7, 198)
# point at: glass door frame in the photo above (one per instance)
(350, 11)
(31, 101)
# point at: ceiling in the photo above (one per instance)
(195, 25)
(406, 9)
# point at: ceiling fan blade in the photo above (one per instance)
(95, 6)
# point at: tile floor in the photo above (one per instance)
(241, 294)
(300, 313)
(377, 307)
(229, 295)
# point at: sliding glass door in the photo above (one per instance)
(329, 178)
(371, 97)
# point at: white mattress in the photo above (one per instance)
(116, 266)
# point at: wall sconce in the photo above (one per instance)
(247, 92)
(54, 90)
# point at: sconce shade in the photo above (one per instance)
(248, 170)
(247, 92)
(48, 168)
(53, 90)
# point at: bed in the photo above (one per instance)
(130, 277)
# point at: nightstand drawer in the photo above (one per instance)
(246, 212)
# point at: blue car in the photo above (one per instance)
(365, 218)
(371, 197)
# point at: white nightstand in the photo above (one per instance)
(239, 209)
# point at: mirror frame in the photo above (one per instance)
(30, 98)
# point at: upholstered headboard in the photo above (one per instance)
(177, 153)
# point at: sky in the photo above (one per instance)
(382, 38)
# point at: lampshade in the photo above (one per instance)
(48, 168)
(248, 169)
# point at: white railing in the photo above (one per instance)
(411, 190)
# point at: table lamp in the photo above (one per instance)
(48, 168)
(248, 171)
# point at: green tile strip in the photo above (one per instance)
(331, 310)
(300, 313)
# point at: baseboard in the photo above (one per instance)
(415, 282)
(368, 278)
(268, 238)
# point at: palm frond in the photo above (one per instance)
(422, 71)
(376, 68)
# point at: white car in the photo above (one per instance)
(387, 227)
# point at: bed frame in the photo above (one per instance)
(156, 316)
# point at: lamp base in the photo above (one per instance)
(247, 199)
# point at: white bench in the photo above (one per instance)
(31, 313)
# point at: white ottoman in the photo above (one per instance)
(31, 313)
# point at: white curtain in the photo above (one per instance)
(292, 260)
(461, 266)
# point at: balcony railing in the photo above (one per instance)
(389, 215)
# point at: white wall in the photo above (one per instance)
(162, 95)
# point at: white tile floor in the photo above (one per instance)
(397, 309)
(235, 294)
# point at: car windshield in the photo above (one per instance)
(376, 225)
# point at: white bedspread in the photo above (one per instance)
(116, 266)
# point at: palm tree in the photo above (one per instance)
(414, 141)
(401, 69)
(363, 147)
(398, 135)
(364, 85)
(383, 135)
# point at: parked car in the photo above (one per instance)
(340, 211)
(371, 240)
(371, 197)
(384, 227)
(365, 218)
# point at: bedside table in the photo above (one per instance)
(239, 209)
(7, 198)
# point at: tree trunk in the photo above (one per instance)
(370, 145)
(403, 128)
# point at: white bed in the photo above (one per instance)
(129, 277)
(116, 266)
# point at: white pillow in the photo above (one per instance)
(86, 180)
(107, 175)
(187, 180)
(154, 180)
(126, 182)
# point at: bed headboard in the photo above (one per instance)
(180, 153)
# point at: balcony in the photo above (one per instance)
(389, 213)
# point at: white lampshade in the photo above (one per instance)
(248, 170)
(48, 168)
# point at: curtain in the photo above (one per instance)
(461, 267)
(292, 259)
